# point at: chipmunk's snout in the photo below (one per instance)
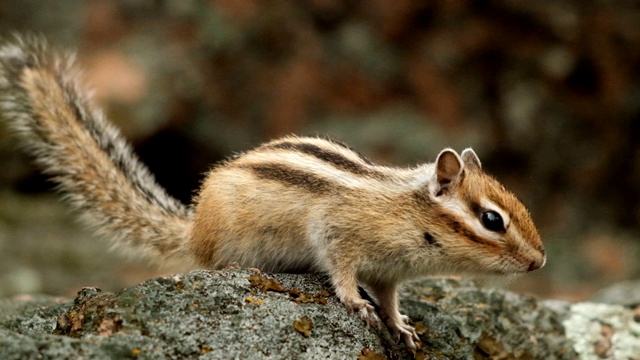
(537, 263)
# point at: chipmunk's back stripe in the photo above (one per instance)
(292, 177)
(337, 160)
(347, 147)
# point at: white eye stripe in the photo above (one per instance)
(474, 220)
(471, 220)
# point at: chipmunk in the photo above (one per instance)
(297, 204)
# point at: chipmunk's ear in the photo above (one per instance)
(449, 167)
(470, 159)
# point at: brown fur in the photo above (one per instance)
(294, 204)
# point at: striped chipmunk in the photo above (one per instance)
(297, 204)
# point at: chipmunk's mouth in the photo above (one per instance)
(510, 270)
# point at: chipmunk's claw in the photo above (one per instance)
(365, 311)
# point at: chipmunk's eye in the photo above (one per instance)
(492, 221)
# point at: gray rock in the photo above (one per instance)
(622, 293)
(210, 314)
(245, 315)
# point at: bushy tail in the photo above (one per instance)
(43, 100)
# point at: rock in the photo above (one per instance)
(247, 315)
(219, 314)
(622, 293)
(463, 321)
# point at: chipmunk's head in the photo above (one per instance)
(482, 226)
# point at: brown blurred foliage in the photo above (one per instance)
(546, 92)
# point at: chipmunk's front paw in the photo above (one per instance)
(364, 310)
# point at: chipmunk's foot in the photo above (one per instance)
(364, 310)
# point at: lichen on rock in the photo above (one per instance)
(244, 314)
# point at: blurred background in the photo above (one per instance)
(547, 93)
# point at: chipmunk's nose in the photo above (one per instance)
(538, 263)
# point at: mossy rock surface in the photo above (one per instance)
(245, 314)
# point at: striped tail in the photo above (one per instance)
(43, 100)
